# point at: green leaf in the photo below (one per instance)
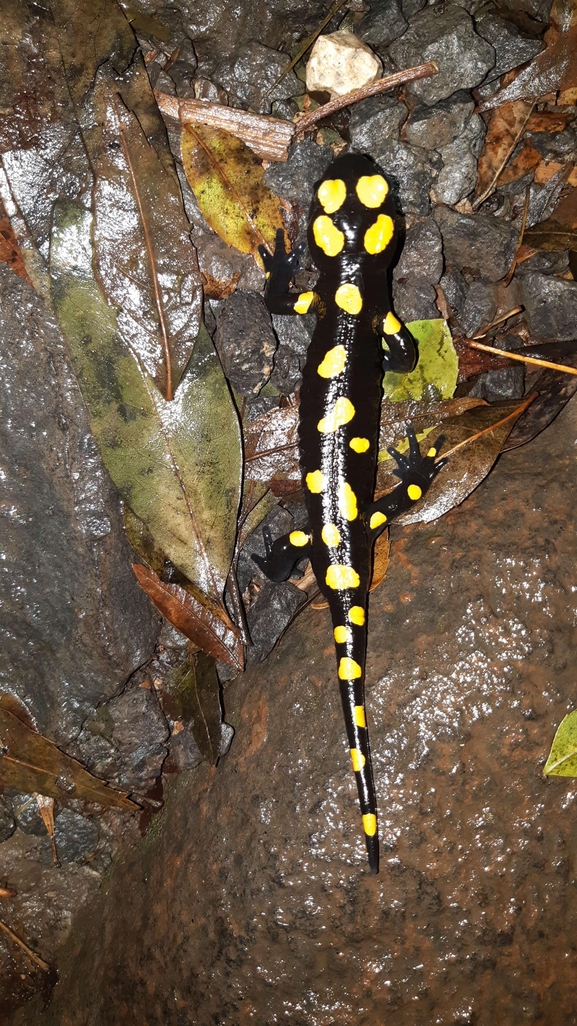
(176, 464)
(562, 761)
(435, 376)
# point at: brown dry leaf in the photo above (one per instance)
(46, 810)
(559, 231)
(204, 622)
(33, 764)
(525, 161)
(552, 70)
(548, 121)
(195, 689)
(9, 250)
(547, 169)
(506, 126)
(271, 447)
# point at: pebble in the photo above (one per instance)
(550, 304)
(245, 341)
(248, 74)
(477, 244)
(511, 48)
(340, 62)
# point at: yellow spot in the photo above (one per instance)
(332, 194)
(349, 298)
(391, 325)
(327, 236)
(340, 576)
(432, 451)
(376, 520)
(315, 481)
(357, 615)
(347, 502)
(371, 190)
(349, 669)
(303, 302)
(370, 824)
(330, 534)
(333, 363)
(360, 444)
(378, 236)
(358, 760)
(267, 275)
(414, 492)
(342, 411)
(360, 718)
(299, 538)
(342, 635)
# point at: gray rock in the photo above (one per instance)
(436, 127)
(414, 301)
(293, 180)
(511, 48)
(286, 373)
(553, 262)
(556, 145)
(7, 821)
(75, 836)
(464, 58)
(295, 332)
(384, 23)
(245, 341)
(495, 385)
(375, 119)
(550, 305)
(477, 244)
(411, 7)
(27, 814)
(74, 624)
(454, 287)
(412, 174)
(422, 255)
(479, 308)
(249, 73)
(269, 616)
(458, 176)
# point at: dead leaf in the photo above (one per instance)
(552, 70)
(33, 764)
(194, 687)
(9, 251)
(506, 126)
(547, 169)
(271, 446)
(548, 121)
(46, 809)
(195, 615)
(555, 389)
(526, 160)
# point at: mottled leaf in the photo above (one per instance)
(506, 126)
(31, 763)
(227, 180)
(555, 389)
(562, 760)
(271, 446)
(201, 620)
(526, 160)
(176, 464)
(195, 689)
(435, 375)
(144, 258)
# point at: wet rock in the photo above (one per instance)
(464, 58)
(556, 145)
(249, 73)
(544, 198)
(184, 749)
(554, 262)
(422, 255)
(384, 23)
(286, 375)
(269, 616)
(75, 836)
(294, 180)
(375, 119)
(411, 173)
(245, 341)
(550, 305)
(435, 127)
(511, 48)
(454, 287)
(295, 332)
(414, 301)
(411, 7)
(27, 814)
(73, 622)
(458, 176)
(7, 821)
(479, 308)
(340, 62)
(477, 244)
(496, 385)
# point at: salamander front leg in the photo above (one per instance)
(280, 268)
(282, 555)
(401, 354)
(416, 472)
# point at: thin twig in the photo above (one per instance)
(498, 320)
(21, 944)
(307, 121)
(522, 359)
(507, 278)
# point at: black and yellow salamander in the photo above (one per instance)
(351, 236)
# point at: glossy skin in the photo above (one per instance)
(351, 235)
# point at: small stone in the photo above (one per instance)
(294, 179)
(375, 119)
(556, 145)
(75, 836)
(479, 308)
(270, 615)
(411, 171)
(448, 37)
(436, 127)
(454, 288)
(422, 255)
(250, 72)
(27, 814)
(295, 332)
(477, 244)
(139, 733)
(245, 341)
(495, 385)
(511, 48)
(458, 176)
(384, 23)
(184, 749)
(340, 62)
(415, 301)
(553, 262)
(286, 374)
(550, 305)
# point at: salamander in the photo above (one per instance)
(352, 236)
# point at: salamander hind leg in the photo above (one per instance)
(416, 472)
(282, 555)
